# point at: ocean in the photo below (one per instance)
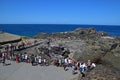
(33, 29)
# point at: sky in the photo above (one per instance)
(97, 12)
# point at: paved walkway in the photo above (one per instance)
(24, 71)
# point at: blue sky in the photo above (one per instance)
(100, 12)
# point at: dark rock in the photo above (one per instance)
(99, 47)
(79, 33)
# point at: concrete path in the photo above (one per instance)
(24, 71)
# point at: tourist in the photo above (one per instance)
(29, 58)
(65, 64)
(63, 61)
(17, 58)
(0, 56)
(60, 62)
(73, 61)
(54, 59)
(32, 60)
(44, 60)
(20, 58)
(93, 65)
(73, 69)
(57, 62)
(35, 58)
(3, 59)
(39, 60)
(23, 57)
(78, 64)
(89, 65)
(70, 62)
(66, 61)
(81, 69)
(26, 57)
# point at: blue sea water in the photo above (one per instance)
(33, 29)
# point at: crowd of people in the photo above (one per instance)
(20, 45)
(74, 65)
(37, 59)
(23, 57)
(42, 61)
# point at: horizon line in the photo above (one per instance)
(56, 24)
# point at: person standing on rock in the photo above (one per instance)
(73, 69)
(82, 69)
(78, 64)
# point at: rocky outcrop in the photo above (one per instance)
(87, 43)
(100, 73)
(79, 33)
(42, 35)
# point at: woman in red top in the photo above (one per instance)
(17, 58)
